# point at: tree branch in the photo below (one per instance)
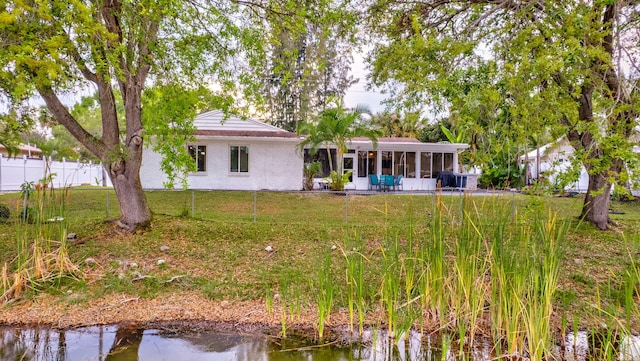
(63, 116)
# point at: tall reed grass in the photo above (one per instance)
(357, 293)
(325, 295)
(483, 269)
(42, 256)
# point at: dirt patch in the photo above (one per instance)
(177, 312)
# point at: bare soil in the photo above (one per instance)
(177, 310)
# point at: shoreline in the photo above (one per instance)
(187, 309)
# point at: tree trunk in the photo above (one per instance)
(596, 201)
(125, 177)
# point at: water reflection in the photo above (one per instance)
(128, 342)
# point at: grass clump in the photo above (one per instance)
(40, 258)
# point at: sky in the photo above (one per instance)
(357, 93)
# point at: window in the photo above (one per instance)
(404, 164)
(387, 162)
(366, 163)
(398, 163)
(425, 165)
(239, 159)
(411, 165)
(323, 157)
(448, 162)
(199, 155)
(437, 165)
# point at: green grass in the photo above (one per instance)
(406, 249)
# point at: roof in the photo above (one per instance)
(388, 140)
(216, 124)
(25, 148)
(410, 144)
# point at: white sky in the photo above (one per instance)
(357, 93)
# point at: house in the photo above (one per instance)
(235, 154)
(418, 163)
(554, 160)
(22, 150)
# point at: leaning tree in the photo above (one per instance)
(121, 48)
(566, 63)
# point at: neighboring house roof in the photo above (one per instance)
(23, 149)
(545, 150)
(215, 124)
(562, 146)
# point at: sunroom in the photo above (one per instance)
(418, 163)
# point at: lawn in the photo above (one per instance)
(397, 259)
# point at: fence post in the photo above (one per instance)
(76, 174)
(346, 207)
(193, 204)
(1, 156)
(108, 206)
(461, 205)
(24, 169)
(513, 206)
(255, 206)
(44, 167)
(104, 175)
(64, 175)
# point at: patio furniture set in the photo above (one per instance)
(385, 182)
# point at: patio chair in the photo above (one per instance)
(398, 183)
(389, 182)
(374, 182)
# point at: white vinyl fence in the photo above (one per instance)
(15, 171)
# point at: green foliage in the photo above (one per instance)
(501, 174)
(621, 194)
(337, 181)
(13, 123)
(507, 73)
(408, 124)
(310, 171)
(432, 133)
(335, 127)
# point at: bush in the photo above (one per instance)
(501, 177)
(27, 215)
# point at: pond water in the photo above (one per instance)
(124, 343)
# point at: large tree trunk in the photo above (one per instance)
(134, 209)
(596, 201)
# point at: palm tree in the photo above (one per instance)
(336, 127)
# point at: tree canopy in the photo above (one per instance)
(307, 60)
(118, 49)
(525, 67)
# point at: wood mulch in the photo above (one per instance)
(187, 309)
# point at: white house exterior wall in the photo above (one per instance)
(556, 158)
(274, 164)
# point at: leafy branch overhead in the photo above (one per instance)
(118, 48)
(508, 70)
